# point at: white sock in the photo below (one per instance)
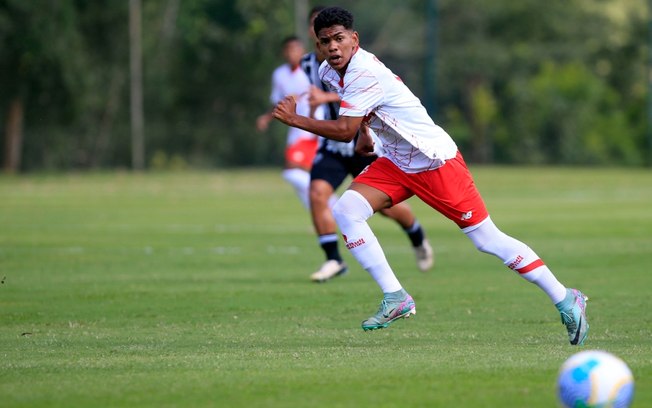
(325, 239)
(516, 256)
(351, 213)
(299, 179)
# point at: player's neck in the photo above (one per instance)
(342, 72)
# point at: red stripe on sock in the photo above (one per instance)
(530, 267)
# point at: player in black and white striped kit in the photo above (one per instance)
(333, 163)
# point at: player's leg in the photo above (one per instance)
(519, 257)
(326, 176)
(298, 160)
(516, 256)
(326, 229)
(351, 212)
(403, 215)
(470, 214)
(299, 179)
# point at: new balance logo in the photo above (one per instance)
(467, 216)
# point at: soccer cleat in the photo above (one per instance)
(425, 256)
(394, 306)
(328, 270)
(573, 314)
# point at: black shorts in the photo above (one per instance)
(334, 167)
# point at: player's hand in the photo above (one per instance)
(317, 97)
(285, 109)
(262, 122)
(365, 144)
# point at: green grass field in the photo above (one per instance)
(191, 289)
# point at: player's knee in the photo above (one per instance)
(351, 208)
(489, 239)
(320, 193)
(341, 213)
(488, 247)
(502, 246)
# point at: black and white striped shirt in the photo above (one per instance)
(310, 65)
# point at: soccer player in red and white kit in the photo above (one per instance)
(301, 146)
(334, 162)
(420, 159)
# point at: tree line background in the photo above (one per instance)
(557, 82)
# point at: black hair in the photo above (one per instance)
(289, 39)
(333, 16)
(315, 10)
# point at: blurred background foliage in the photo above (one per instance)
(552, 82)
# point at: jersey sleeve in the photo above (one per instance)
(362, 93)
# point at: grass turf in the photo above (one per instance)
(191, 289)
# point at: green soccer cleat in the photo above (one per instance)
(573, 314)
(394, 306)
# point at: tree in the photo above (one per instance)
(55, 68)
(504, 69)
(136, 88)
(498, 48)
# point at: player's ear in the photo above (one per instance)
(356, 38)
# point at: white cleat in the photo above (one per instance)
(425, 256)
(328, 270)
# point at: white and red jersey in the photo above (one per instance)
(410, 138)
(287, 81)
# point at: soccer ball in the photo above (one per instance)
(592, 379)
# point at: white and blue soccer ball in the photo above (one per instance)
(595, 379)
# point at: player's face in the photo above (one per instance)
(292, 52)
(338, 45)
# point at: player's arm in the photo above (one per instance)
(318, 97)
(343, 129)
(262, 121)
(365, 145)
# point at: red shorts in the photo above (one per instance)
(302, 153)
(449, 189)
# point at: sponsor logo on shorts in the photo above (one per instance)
(298, 156)
(354, 244)
(467, 216)
(364, 170)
